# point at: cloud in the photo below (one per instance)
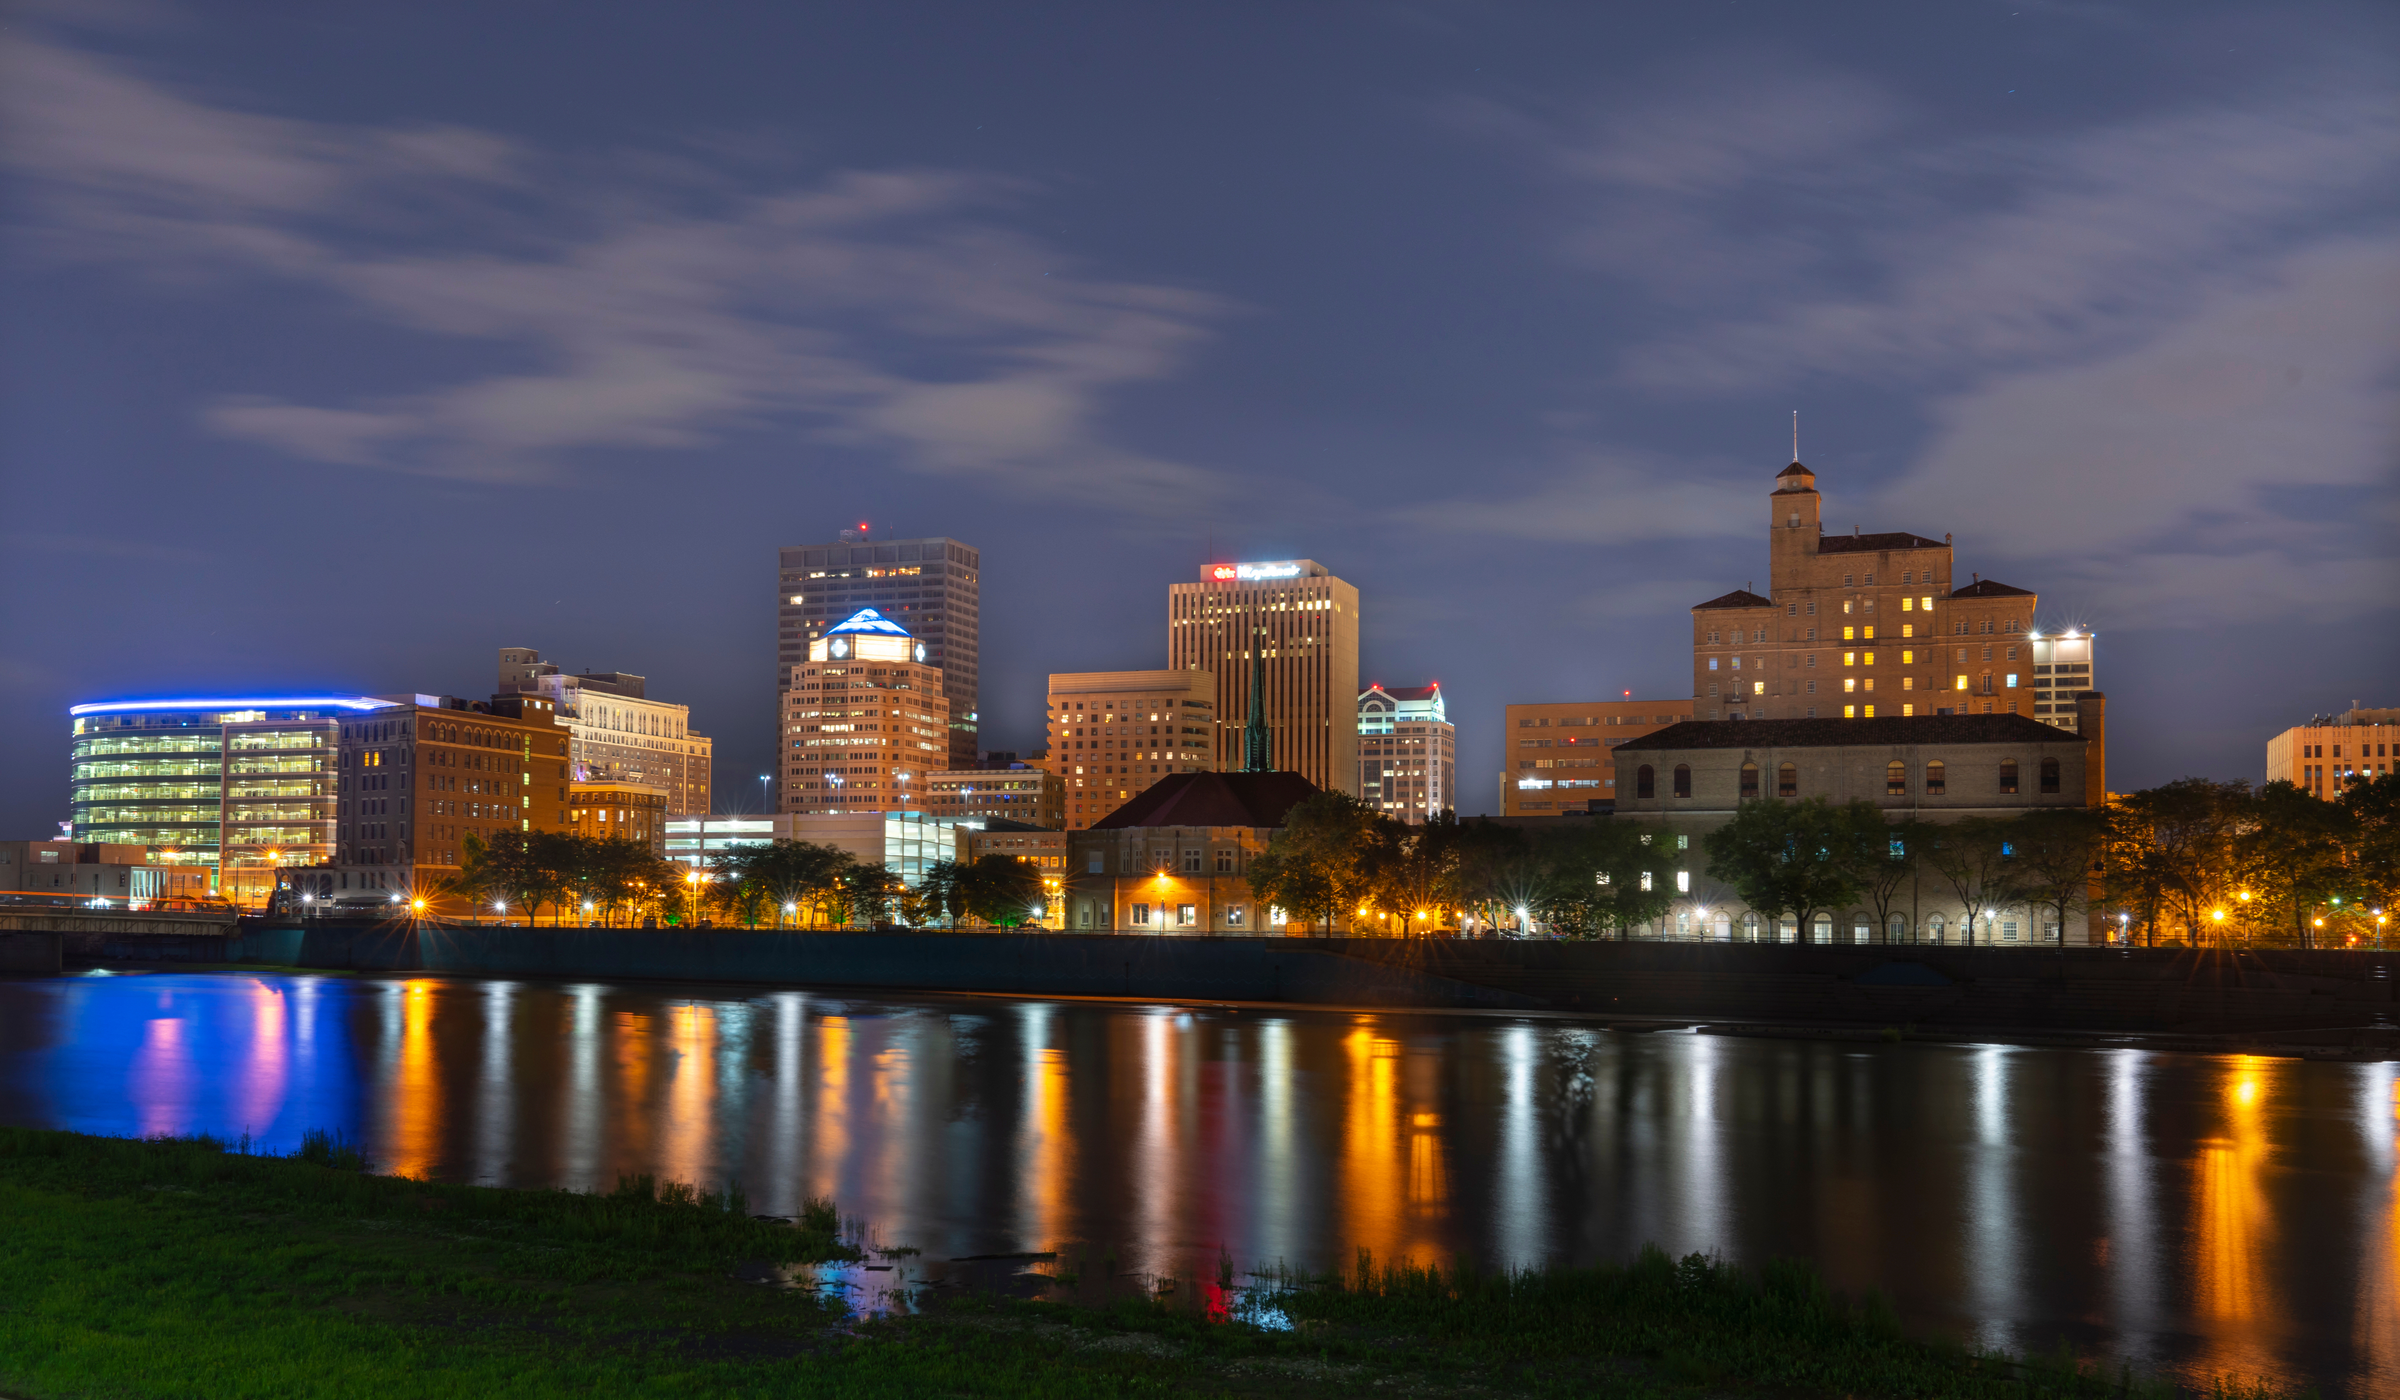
(650, 309)
(1612, 497)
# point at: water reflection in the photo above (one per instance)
(2197, 1213)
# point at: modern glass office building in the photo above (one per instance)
(241, 784)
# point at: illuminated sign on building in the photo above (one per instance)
(1221, 573)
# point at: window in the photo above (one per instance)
(1849, 711)
(1849, 658)
(1141, 916)
(1092, 861)
(1820, 929)
(2049, 771)
(1224, 862)
(1645, 782)
(1787, 780)
(1749, 781)
(1895, 779)
(1849, 634)
(1848, 580)
(1758, 687)
(2008, 775)
(1812, 660)
(1683, 882)
(1962, 682)
(1791, 610)
(1683, 780)
(1849, 683)
(1186, 915)
(2012, 680)
(1908, 604)
(1812, 687)
(1712, 661)
(1233, 916)
(1896, 929)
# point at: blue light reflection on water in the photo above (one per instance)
(2200, 1213)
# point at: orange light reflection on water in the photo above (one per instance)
(413, 1108)
(689, 1132)
(2233, 1224)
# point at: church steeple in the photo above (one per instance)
(1254, 734)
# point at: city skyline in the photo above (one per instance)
(2098, 293)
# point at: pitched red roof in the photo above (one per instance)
(1738, 598)
(1212, 799)
(1874, 544)
(1990, 588)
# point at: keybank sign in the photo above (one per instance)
(1221, 572)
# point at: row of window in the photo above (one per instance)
(1896, 779)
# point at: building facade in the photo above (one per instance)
(905, 843)
(618, 734)
(2321, 755)
(240, 787)
(1407, 752)
(1018, 793)
(1303, 622)
(1689, 779)
(1859, 626)
(1177, 859)
(627, 811)
(114, 874)
(933, 587)
(863, 720)
(1045, 851)
(1114, 733)
(1561, 757)
(2062, 670)
(422, 775)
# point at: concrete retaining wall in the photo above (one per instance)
(34, 953)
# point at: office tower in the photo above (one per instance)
(1114, 733)
(1560, 757)
(931, 587)
(2062, 669)
(1304, 623)
(619, 734)
(1857, 625)
(1407, 752)
(864, 720)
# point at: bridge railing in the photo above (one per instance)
(47, 899)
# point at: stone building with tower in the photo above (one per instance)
(1859, 626)
(1301, 622)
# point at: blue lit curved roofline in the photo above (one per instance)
(269, 702)
(870, 621)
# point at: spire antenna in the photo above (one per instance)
(1795, 435)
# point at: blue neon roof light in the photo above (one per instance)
(870, 621)
(275, 702)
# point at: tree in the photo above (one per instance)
(2057, 852)
(1884, 858)
(869, 893)
(1787, 857)
(2293, 855)
(1313, 866)
(506, 869)
(1974, 859)
(2171, 854)
(999, 890)
(1494, 869)
(1410, 870)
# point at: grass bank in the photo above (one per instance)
(181, 1268)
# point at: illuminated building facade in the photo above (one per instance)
(1304, 622)
(863, 720)
(1017, 793)
(1562, 757)
(1176, 859)
(241, 786)
(422, 774)
(2062, 670)
(2329, 750)
(1114, 733)
(1407, 752)
(933, 587)
(1859, 626)
(617, 732)
(627, 811)
(1045, 851)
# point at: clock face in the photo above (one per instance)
(920, 653)
(840, 647)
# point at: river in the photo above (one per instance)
(2190, 1213)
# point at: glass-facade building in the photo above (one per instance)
(243, 785)
(905, 843)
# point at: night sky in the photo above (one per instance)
(346, 344)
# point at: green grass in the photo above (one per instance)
(182, 1268)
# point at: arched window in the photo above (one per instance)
(1820, 929)
(1936, 779)
(1895, 779)
(1749, 781)
(1750, 928)
(1895, 929)
(1787, 780)
(1645, 781)
(2049, 775)
(1933, 928)
(1683, 780)
(2008, 775)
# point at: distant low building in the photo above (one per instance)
(2321, 755)
(1044, 850)
(627, 811)
(118, 873)
(1559, 756)
(1016, 793)
(1176, 858)
(618, 733)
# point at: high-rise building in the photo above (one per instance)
(1407, 752)
(241, 786)
(2329, 750)
(2062, 669)
(1303, 622)
(1854, 626)
(1561, 757)
(864, 720)
(932, 587)
(1114, 733)
(618, 734)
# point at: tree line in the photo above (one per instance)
(2193, 861)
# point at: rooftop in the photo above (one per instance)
(1874, 544)
(1988, 588)
(1212, 799)
(1738, 598)
(869, 621)
(1850, 733)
